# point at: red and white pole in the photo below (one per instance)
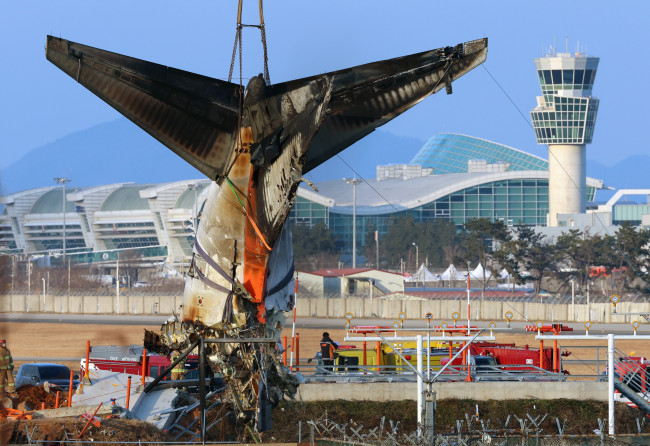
(293, 329)
(469, 316)
(468, 308)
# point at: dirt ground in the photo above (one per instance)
(59, 340)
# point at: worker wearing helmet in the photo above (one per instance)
(179, 369)
(6, 367)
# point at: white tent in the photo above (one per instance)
(478, 272)
(451, 273)
(422, 275)
(504, 274)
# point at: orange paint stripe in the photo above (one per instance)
(255, 255)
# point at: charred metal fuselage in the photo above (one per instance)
(256, 146)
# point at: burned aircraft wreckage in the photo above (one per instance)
(255, 146)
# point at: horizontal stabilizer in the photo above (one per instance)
(193, 115)
(367, 96)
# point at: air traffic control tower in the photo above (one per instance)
(564, 120)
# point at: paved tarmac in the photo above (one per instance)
(318, 323)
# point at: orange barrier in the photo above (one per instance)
(297, 351)
(128, 392)
(378, 356)
(91, 419)
(144, 364)
(70, 389)
(14, 414)
(86, 373)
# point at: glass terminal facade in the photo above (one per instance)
(515, 202)
(449, 153)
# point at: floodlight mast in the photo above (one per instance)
(62, 181)
(354, 182)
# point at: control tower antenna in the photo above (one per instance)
(566, 43)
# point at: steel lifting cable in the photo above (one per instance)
(267, 80)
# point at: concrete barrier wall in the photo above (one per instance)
(361, 308)
(458, 390)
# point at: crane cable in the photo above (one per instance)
(238, 49)
(238, 43)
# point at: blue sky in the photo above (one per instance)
(40, 104)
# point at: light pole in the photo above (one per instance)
(377, 246)
(354, 182)
(195, 188)
(417, 256)
(62, 181)
(573, 300)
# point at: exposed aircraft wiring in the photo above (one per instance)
(636, 272)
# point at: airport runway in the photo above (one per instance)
(316, 323)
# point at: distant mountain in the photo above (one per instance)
(119, 151)
(111, 152)
(632, 172)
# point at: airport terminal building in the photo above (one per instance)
(453, 177)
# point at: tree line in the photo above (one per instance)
(620, 261)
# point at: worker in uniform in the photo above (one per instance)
(327, 347)
(6, 367)
(179, 369)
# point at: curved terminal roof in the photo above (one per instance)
(381, 197)
(188, 197)
(51, 202)
(126, 198)
(449, 153)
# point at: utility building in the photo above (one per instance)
(564, 120)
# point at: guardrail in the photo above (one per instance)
(315, 372)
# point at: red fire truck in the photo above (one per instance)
(128, 359)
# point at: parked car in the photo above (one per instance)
(37, 374)
(217, 381)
